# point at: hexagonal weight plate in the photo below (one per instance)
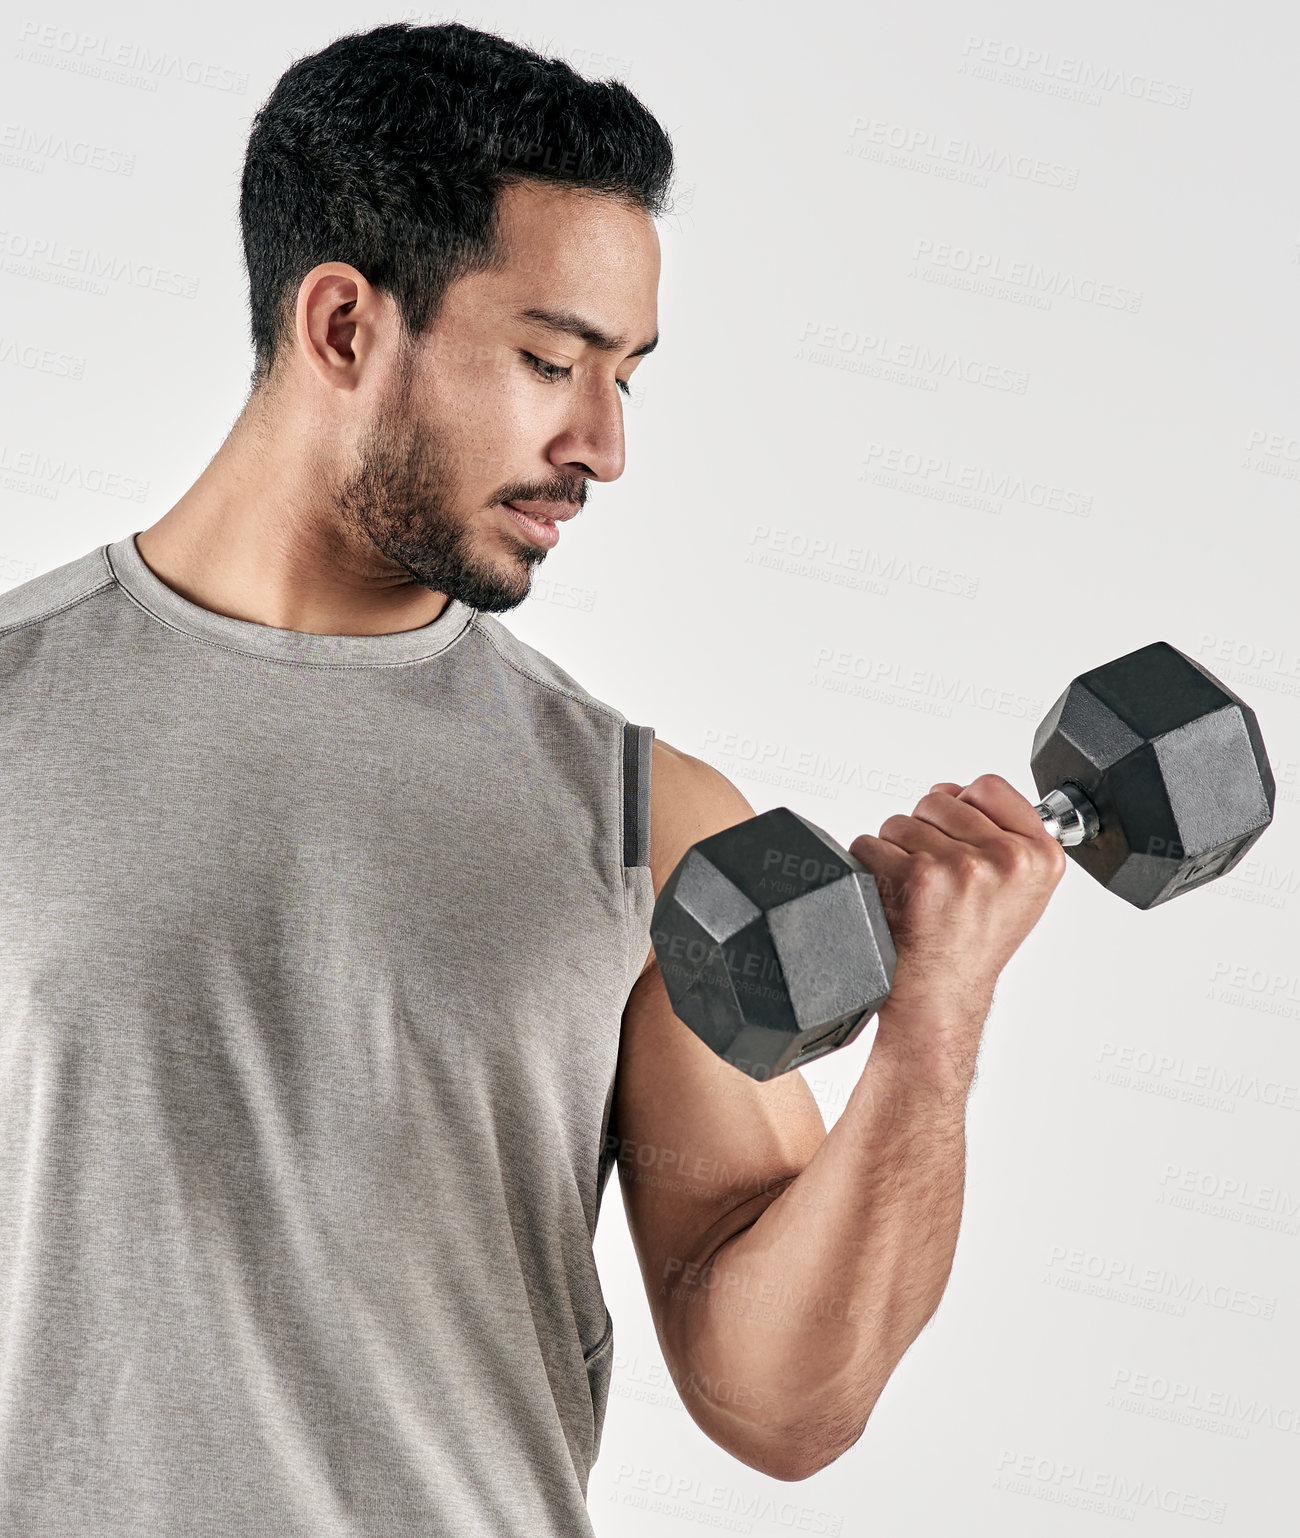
(772, 943)
(1174, 763)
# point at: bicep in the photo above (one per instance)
(701, 1147)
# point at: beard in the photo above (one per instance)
(401, 498)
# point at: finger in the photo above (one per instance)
(959, 818)
(938, 822)
(889, 865)
(946, 788)
(881, 856)
(1003, 804)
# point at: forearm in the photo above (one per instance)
(810, 1307)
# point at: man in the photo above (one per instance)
(327, 1002)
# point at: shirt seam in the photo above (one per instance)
(38, 619)
(619, 720)
(288, 662)
(546, 683)
(589, 1356)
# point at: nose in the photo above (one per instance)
(592, 438)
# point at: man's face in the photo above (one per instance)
(512, 400)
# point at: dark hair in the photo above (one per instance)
(388, 148)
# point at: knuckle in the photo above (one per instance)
(1012, 859)
(927, 877)
(970, 868)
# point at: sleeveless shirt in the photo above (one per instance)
(313, 956)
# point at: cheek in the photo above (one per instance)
(493, 428)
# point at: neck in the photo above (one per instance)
(256, 538)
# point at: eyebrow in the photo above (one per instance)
(574, 325)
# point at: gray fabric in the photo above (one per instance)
(313, 953)
(638, 743)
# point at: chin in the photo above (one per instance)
(496, 588)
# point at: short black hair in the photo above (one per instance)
(388, 149)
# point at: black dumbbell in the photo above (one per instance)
(771, 937)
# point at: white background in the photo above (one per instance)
(1118, 387)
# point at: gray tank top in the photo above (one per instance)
(313, 955)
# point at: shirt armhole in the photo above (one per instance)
(637, 742)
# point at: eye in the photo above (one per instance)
(552, 373)
(624, 386)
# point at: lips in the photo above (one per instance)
(546, 512)
(543, 532)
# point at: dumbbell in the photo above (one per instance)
(772, 940)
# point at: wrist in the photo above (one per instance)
(932, 1042)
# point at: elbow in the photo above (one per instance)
(781, 1464)
(796, 1471)
(802, 1452)
(792, 1467)
(792, 1440)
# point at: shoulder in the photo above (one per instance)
(535, 666)
(51, 592)
(689, 800)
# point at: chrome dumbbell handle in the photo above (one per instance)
(1068, 815)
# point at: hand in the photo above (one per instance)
(963, 880)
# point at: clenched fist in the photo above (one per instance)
(963, 880)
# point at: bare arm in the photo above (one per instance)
(814, 1301)
(813, 1304)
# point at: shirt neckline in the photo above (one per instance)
(132, 572)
